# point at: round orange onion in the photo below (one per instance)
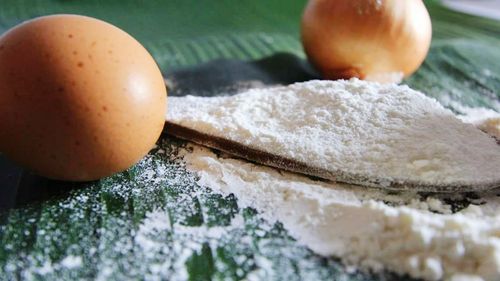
(380, 40)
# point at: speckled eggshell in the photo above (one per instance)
(80, 99)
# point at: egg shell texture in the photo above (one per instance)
(80, 99)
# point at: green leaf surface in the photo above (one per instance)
(153, 221)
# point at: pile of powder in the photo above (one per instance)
(366, 227)
(361, 132)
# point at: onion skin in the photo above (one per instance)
(366, 38)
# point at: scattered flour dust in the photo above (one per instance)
(72, 262)
(362, 132)
(366, 227)
(156, 224)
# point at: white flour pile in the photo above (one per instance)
(365, 227)
(363, 132)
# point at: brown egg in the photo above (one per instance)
(80, 99)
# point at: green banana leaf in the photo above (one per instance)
(61, 231)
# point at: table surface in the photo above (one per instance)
(46, 225)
